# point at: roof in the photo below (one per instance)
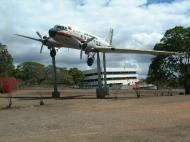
(111, 70)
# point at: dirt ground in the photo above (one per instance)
(79, 116)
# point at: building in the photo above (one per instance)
(116, 77)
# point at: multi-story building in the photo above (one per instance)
(116, 77)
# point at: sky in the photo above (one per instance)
(138, 24)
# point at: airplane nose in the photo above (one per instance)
(52, 32)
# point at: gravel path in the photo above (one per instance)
(79, 116)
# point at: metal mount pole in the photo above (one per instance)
(104, 63)
(99, 71)
(105, 77)
(100, 93)
(55, 93)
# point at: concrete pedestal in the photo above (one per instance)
(101, 93)
(55, 94)
(106, 91)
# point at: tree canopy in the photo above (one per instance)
(36, 73)
(172, 70)
(63, 76)
(6, 61)
(32, 72)
(77, 75)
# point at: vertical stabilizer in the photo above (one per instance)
(110, 37)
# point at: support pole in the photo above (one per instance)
(105, 77)
(99, 91)
(104, 63)
(55, 93)
(99, 71)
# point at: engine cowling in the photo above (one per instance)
(90, 59)
(84, 45)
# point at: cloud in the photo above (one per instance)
(158, 1)
(135, 26)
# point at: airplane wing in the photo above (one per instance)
(132, 51)
(28, 37)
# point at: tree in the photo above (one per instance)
(32, 72)
(77, 75)
(49, 70)
(6, 61)
(170, 70)
(63, 76)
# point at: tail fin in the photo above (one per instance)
(110, 37)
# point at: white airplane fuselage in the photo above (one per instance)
(67, 36)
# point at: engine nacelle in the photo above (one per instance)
(90, 59)
(83, 46)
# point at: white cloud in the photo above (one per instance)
(135, 26)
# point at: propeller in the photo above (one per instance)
(39, 35)
(84, 45)
(41, 39)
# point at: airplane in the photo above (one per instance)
(72, 37)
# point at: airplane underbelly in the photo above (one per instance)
(67, 41)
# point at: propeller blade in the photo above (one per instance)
(89, 40)
(29, 37)
(81, 53)
(41, 49)
(39, 35)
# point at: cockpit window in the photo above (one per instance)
(60, 28)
